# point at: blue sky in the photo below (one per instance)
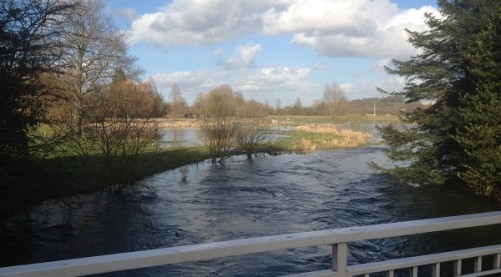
(269, 50)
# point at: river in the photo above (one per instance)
(242, 199)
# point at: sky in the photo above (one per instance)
(272, 51)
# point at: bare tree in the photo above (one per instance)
(219, 136)
(120, 130)
(252, 138)
(333, 96)
(93, 49)
(221, 102)
(178, 105)
(175, 93)
(199, 106)
(297, 108)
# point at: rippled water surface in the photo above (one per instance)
(242, 199)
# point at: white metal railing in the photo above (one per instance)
(337, 238)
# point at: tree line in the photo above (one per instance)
(334, 103)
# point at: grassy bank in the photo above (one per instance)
(73, 174)
(59, 177)
(70, 174)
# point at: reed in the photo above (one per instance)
(312, 137)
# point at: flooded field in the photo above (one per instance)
(242, 199)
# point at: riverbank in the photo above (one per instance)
(268, 196)
(70, 174)
(63, 171)
(286, 120)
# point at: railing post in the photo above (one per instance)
(457, 267)
(340, 259)
(436, 270)
(477, 264)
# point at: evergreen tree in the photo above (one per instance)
(480, 133)
(457, 71)
(27, 43)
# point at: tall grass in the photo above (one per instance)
(307, 138)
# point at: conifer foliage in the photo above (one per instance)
(458, 138)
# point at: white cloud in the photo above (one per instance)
(333, 28)
(368, 88)
(198, 22)
(354, 28)
(366, 82)
(272, 78)
(243, 57)
(190, 82)
(267, 83)
(277, 82)
(283, 74)
(341, 28)
(352, 17)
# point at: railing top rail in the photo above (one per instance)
(172, 255)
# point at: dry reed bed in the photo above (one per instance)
(337, 137)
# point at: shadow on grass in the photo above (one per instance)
(60, 177)
(30, 183)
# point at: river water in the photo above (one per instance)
(242, 199)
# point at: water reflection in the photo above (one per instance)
(192, 137)
(180, 137)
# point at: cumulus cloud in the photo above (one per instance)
(352, 17)
(333, 28)
(341, 28)
(198, 22)
(278, 82)
(190, 82)
(283, 74)
(348, 28)
(266, 83)
(243, 57)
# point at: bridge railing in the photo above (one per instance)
(337, 238)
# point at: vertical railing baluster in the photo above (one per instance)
(415, 271)
(457, 267)
(497, 261)
(391, 273)
(478, 264)
(436, 270)
(340, 259)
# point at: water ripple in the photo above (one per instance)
(242, 199)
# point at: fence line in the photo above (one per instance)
(337, 238)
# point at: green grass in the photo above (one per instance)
(65, 173)
(70, 175)
(78, 174)
(73, 174)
